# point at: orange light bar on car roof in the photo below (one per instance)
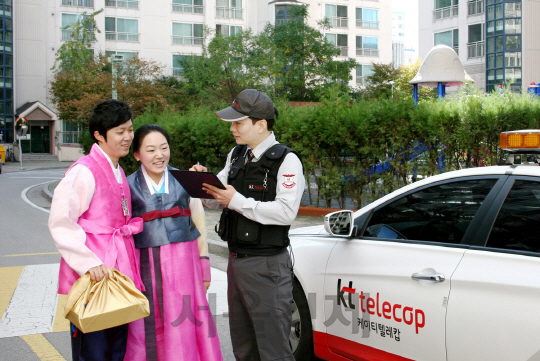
(520, 139)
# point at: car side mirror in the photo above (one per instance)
(339, 223)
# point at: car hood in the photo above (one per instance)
(308, 231)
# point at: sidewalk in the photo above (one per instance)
(9, 167)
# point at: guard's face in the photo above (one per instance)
(154, 154)
(245, 132)
(118, 140)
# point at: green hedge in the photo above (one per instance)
(339, 140)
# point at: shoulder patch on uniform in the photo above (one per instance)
(288, 180)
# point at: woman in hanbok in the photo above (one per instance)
(175, 268)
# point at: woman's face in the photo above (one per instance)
(154, 154)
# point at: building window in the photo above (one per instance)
(367, 46)
(127, 4)
(450, 38)
(126, 54)
(362, 72)
(177, 68)
(121, 29)
(476, 43)
(337, 16)
(503, 44)
(475, 7)
(71, 131)
(284, 13)
(187, 34)
(79, 3)
(340, 41)
(6, 72)
(227, 30)
(188, 6)
(367, 18)
(69, 19)
(229, 9)
(445, 9)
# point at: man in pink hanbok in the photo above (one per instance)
(91, 223)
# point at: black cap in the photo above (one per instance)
(249, 103)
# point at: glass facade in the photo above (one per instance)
(6, 72)
(503, 44)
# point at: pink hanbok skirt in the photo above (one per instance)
(180, 326)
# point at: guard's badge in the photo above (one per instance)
(288, 180)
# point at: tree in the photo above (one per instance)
(74, 54)
(379, 84)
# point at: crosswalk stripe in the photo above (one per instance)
(9, 278)
(42, 348)
(60, 322)
(33, 303)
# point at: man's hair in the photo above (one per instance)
(269, 122)
(143, 131)
(107, 115)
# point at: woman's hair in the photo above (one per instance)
(143, 131)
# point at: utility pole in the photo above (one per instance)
(115, 60)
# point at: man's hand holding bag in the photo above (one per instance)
(113, 301)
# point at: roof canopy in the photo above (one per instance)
(442, 65)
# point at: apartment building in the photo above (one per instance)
(162, 30)
(496, 40)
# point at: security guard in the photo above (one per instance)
(264, 183)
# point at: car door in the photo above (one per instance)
(493, 311)
(387, 289)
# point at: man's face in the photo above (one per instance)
(118, 141)
(245, 132)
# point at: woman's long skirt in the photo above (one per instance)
(180, 326)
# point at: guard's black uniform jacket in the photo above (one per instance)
(256, 180)
(161, 231)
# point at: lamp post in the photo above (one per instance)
(391, 82)
(115, 60)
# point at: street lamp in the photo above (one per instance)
(391, 82)
(115, 60)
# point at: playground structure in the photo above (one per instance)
(441, 68)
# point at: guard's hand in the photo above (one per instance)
(198, 168)
(98, 273)
(206, 285)
(223, 196)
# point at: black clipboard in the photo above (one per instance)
(193, 182)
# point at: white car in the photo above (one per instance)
(447, 268)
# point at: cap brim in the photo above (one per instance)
(230, 115)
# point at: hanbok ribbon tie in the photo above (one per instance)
(121, 250)
(174, 212)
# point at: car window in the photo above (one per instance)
(518, 223)
(439, 213)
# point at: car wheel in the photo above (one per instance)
(301, 337)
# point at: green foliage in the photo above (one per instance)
(341, 142)
(75, 54)
(379, 84)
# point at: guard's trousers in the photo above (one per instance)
(105, 345)
(260, 297)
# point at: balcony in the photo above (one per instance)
(128, 37)
(475, 50)
(344, 50)
(126, 4)
(361, 80)
(178, 72)
(187, 40)
(446, 12)
(228, 13)
(338, 22)
(367, 24)
(475, 7)
(68, 34)
(183, 8)
(367, 52)
(79, 3)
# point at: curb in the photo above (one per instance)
(218, 248)
(47, 193)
